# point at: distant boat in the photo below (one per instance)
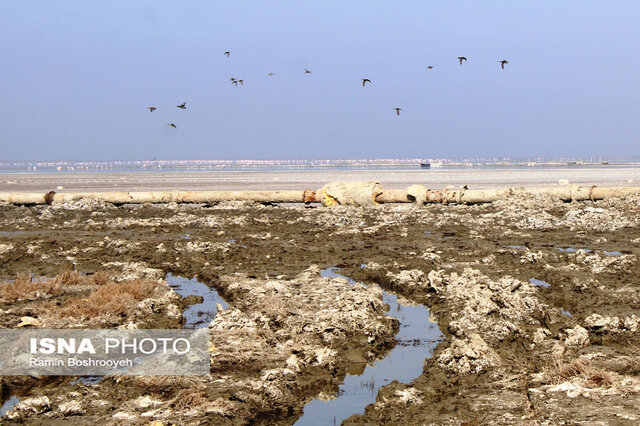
(604, 163)
(572, 163)
(425, 165)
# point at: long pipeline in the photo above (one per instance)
(446, 196)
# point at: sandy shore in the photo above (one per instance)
(246, 180)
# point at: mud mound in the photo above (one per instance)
(73, 300)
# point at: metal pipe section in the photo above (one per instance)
(158, 197)
(413, 194)
(564, 193)
(186, 196)
(394, 196)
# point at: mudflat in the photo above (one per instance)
(537, 301)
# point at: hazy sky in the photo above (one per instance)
(76, 77)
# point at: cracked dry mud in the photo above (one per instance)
(515, 351)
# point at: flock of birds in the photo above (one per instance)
(235, 82)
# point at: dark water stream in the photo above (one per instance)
(8, 405)
(417, 338)
(200, 314)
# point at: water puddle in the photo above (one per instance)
(539, 283)
(573, 249)
(8, 405)
(201, 314)
(88, 380)
(233, 241)
(516, 247)
(567, 313)
(10, 234)
(417, 339)
(586, 250)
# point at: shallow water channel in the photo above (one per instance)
(9, 404)
(201, 314)
(416, 341)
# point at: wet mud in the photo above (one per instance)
(514, 350)
(415, 340)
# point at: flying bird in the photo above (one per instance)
(398, 110)
(461, 58)
(182, 105)
(152, 108)
(271, 74)
(503, 62)
(429, 67)
(306, 71)
(234, 82)
(227, 53)
(241, 82)
(171, 125)
(365, 81)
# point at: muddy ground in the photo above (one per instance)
(561, 349)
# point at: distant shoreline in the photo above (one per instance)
(299, 165)
(314, 178)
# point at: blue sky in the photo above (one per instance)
(76, 77)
